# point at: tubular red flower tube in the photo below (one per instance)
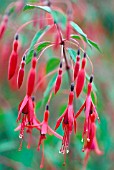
(68, 30)
(3, 25)
(12, 64)
(77, 65)
(31, 77)
(57, 41)
(21, 71)
(81, 77)
(15, 43)
(58, 80)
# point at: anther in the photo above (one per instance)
(72, 87)
(78, 52)
(91, 79)
(16, 37)
(47, 107)
(33, 98)
(24, 57)
(84, 54)
(35, 54)
(60, 65)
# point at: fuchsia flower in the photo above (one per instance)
(91, 144)
(58, 80)
(89, 131)
(68, 30)
(27, 101)
(68, 122)
(21, 71)
(26, 121)
(32, 76)
(3, 25)
(81, 77)
(13, 58)
(77, 65)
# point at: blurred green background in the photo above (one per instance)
(96, 18)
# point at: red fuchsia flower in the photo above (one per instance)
(89, 131)
(92, 144)
(16, 43)
(77, 65)
(68, 122)
(57, 41)
(3, 25)
(32, 76)
(44, 130)
(30, 87)
(81, 77)
(68, 30)
(88, 106)
(26, 121)
(58, 80)
(19, 5)
(49, 19)
(13, 59)
(21, 71)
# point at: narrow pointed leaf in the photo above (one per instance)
(50, 85)
(38, 50)
(88, 41)
(29, 7)
(52, 64)
(78, 29)
(72, 54)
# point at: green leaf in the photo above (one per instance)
(38, 50)
(72, 54)
(29, 7)
(60, 18)
(38, 105)
(78, 29)
(52, 64)
(50, 85)
(38, 35)
(94, 44)
(88, 41)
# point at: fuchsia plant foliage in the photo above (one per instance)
(66, 37)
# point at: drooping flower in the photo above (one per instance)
(77, 65)
(68, 122)
(81, 77)
(58, 80)
(44, 130)
(91, 144)
(68, 30)
(21, 71)
(13, 59)
(89, 130)
(32, 76)
(28, 119)
(88, 106)
(3, 25)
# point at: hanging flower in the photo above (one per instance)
(81, 77)
(26, 121)
(68, 122)
(44, 130)
(77, 65)
(13, 59)
(58, 80)
(21, 71)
